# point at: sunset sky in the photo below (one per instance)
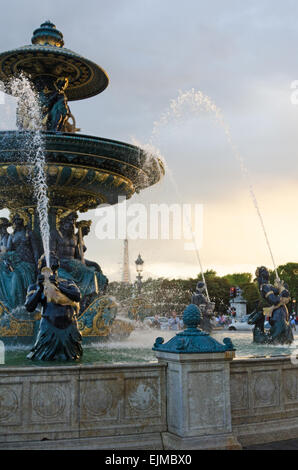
(243, 55)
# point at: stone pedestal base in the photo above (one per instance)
(214, 442)
(241, 308)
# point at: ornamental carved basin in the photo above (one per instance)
(82, 171)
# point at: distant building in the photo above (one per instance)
(239, 303)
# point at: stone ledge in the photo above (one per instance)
(270, 431)
(212, 442)
(151, 441)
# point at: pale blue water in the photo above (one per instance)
(138, 348)
(242, 341)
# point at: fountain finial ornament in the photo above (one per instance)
(192, 340)
(47, 35)
(46, 59)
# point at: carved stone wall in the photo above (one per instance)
(44, 403)
(177, 402)
(264, 399)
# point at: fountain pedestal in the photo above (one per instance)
(198, 388)
(198, 402)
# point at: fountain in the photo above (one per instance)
(49, 173)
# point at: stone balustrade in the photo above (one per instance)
(264, 399)
(181, 402)
(78, 406)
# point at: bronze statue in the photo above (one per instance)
(206, 307)
(276, 296)
(70, 250)
(22, 240)
(55, 112)
(83, 227)
(4, 235)
(19, 255)
(58, 336)
(54, 105)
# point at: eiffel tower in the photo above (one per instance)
(125, 269)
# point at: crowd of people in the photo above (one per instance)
(174, 322)
(223, 319)
(293, 320)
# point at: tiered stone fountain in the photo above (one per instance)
(82, 172)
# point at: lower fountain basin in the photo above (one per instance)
(138, 348)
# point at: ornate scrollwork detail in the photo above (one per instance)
(9, 402)
(97, 398)
(142, 398)
(49, 400)
(22, 213)
(18, 328)
(98, 317)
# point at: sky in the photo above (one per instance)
(243, 55)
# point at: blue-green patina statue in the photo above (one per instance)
(19, 258)
(206, 307)
(58, 336)
(83, 227)
(4, 224)
(54, 105)
(87, 275)
(19, 254)
(276, 296)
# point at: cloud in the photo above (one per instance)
(243, 55)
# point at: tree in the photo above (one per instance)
(166, 295)
(238, 279)
(289, 273)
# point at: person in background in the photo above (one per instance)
(156, 322)
(174, 322)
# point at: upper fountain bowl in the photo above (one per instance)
(82, 171)
(46, 58)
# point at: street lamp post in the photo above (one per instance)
(139, 267)
(294, 306)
